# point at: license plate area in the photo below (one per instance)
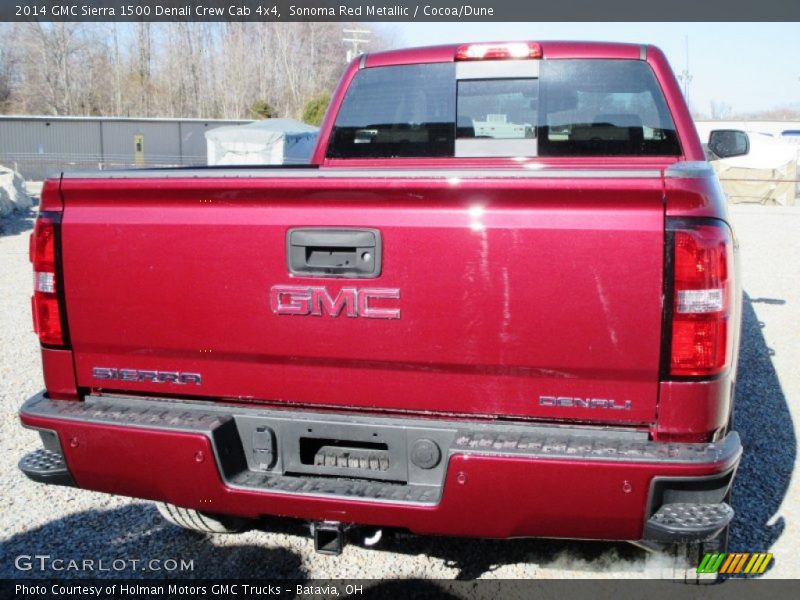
(345, 450)
(363, 456)
(325, 448)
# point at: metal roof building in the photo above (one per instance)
(37, 146)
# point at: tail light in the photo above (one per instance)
(47, 301)
(499, 51)
(702, 297)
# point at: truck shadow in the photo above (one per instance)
(763, 419)
(16, 223)
(138, 532)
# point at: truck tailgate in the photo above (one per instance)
(519, 296)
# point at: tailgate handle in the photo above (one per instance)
(326, 252)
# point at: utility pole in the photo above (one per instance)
(356, 37)
(686, 77)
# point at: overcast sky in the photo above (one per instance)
(750, 66)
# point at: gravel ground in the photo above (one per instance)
(74, 524)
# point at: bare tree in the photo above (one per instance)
(208, 70)
(54, 44)
(59, 68)
(6, 69)
(117, 57)
(720, 110)
(143, 64)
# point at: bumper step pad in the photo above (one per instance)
(344, 488)
(46, 466)
(687, 522)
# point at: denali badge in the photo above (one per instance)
(570, 402)
(154, 376)
(317, 301)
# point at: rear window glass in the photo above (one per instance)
(574, 108)
(603, 108)
(402, 111)
(497, 108)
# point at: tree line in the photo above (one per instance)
(200, 70)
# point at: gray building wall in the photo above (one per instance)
(41, 146)
(193, 137)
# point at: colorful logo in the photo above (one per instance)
(733, 563)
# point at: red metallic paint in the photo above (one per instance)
(59, 374)
(550, 50)
(689, 411)
(509, 289)
(696, 198)
(524, 497)
(51, 199)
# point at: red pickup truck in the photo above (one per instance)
(501, 300)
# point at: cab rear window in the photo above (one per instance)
(603, 108)
(402, 111)
(575, 107)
